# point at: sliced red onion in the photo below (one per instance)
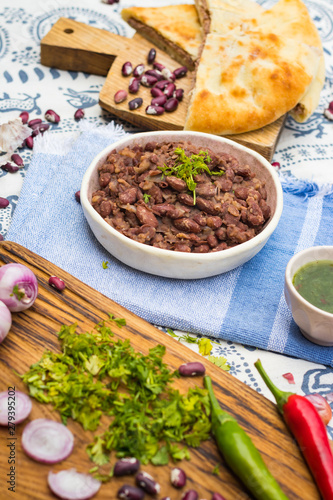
(17, 405)
(47, 441)
(18, 286)
(72, 485)
(321, 405)
(289, 377)
(5, 321)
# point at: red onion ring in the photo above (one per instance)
(72, 485)
(18, 286)
(17, 405)
(47, 441)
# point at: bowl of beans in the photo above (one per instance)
(308, 290)
(182, 205)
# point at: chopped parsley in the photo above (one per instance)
(146, 197)
(105, 264)
(186, 167)
(99, 375)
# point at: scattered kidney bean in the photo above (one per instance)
(127, 68)
(155, 73)
(138, 70)
(129, 492)
(191, 369)
(4, 202)
(79, 114)
(161, 84)
(39, 128)
(134, 85)
(35, 121)
(17, 159)
(8, 167)
(57, 283)
(155, 92)
(158, 66)
(169, 89)
(190, 495)
(135, 103)
(168, 75)
(178, 477)
(154, 110)
(178, 94)
(180, 72)
(151, 56)
(24, 117)
(147, 483)
(148, 80)
(171, 104)
(1, 237)
(159, 101)
(120, 96)
(126, 466)
(52, 116)
(217, 496)
(78, 196)
(29, 142)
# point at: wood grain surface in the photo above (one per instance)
(74, 46)
(36, 329)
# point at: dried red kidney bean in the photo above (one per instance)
(120, 96)
(168, 75)
(159, 101)
(57, 283)
(154, 110)
(134, 85)
(155, 73)
(40, 128)
(52, 116)
(129, 492)
(171, 104)
(8, 167)
(178, 477)
(161, 84)
(1, 237)
(217, 496)
(147, 483)
(178, 94)
(135, 103)
(78, 196)
(158, 66)
(3, 202)
(127, 68)
(180, 72)
(35, 121)
(126, 466)
(24, 117)
(29, 142)
(79, 114)
(189, 495)
(151, 56)
(148, 80)
(138, 70)
(191, 369)
(169, 89)
(17, 159)
(155, 92)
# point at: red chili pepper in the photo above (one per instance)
(309, 431)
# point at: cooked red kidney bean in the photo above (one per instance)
(178, 477)
(180, 72)
(171, 104)
(135, 103)
(126, 466)
(145, 216)
(190, 495)
(147, 483)
(138, 70)
(134, 85)
(127, 68)
(151, 56)
(154, 110)
(192, 369)
(129, 492)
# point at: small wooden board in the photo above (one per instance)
(35, 330)
(74, 46)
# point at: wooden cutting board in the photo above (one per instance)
(35, 330)
(74, 46)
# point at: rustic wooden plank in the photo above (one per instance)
(35, 330)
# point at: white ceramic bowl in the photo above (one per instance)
(315, 324)
(169, 263)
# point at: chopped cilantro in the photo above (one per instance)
(187, 167)
(105, 264)
(216, 470)
(119, 321)
(17, 292)
(146, 197)
(219, 361)
(205, 346)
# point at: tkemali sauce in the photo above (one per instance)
(314, 281)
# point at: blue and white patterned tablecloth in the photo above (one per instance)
(304, 150)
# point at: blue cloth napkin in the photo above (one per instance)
(245, 305)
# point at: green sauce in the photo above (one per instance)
(314, 282)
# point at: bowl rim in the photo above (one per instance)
(180, 256)
(289, 277)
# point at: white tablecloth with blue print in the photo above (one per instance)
(304, 150)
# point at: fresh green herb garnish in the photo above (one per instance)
(186, 167)
(17, 292)
(205, 346)
(105, 264)
(216, 470)
(98, 375)
(146, 197)
(219, 361)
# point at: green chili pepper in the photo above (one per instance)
(240, 453)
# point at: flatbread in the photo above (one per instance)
(175, 29)
(255, 78)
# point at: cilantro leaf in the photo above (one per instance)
(219, 361)
(205, 346)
